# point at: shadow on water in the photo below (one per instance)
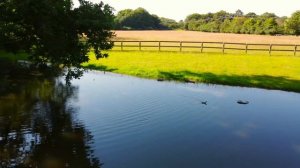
(262, 81)
(38, 128)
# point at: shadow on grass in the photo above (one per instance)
(260, 81)
(100, 68)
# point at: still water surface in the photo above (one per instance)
(114, 121)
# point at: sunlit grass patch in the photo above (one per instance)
(272, 72)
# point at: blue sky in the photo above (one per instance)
(179, 9)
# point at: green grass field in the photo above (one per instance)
(263, 71)
(259, 70)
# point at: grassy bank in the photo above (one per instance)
(271, 72)
(263, 71)
(13, 57)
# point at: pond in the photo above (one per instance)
(114, 121)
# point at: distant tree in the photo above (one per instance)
(208, 17)
(194, 16)
(239, 13)
(270, 26)
(249, 26)
(292, 25)
(251, 15)
(169, 23)
(221, 16)
(280, 22)
(181, 24)
(51, 31)
(237, 24)
(138, 19)
(259, 27)
(268, 15)
(218, 19)
(195, 25)
(250, 23)
(211, 27)
(226, 26)
(121, 17)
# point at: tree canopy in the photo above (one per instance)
(141, 19)
(222, 21)
(238, 22)
(53, 31)
(292, 24)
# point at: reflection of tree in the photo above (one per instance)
(38, 127)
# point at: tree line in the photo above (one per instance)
(222, 21)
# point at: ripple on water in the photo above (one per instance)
(146, 122)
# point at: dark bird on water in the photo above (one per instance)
(204, 102)
(242, 102)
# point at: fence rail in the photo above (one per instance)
(220, 46)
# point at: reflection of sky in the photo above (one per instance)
(134, 119)
(216, 93)
(297, 148)
(30, 140)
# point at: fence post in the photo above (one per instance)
(140, 45)
(270, 49)
(223, 48)
(180, 46)
(122, 46)
(246, 49)
(159, 46)
(201, 47)
(295, 50)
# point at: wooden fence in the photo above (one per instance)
(200, 46)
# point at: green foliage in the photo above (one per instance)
(270, 26)
(225, 26)
(51, 31)
(207, 22)
(280, 22)
(170, 23)
(239, 13)
(267, 23)
(251, 15)
(249, 26)
(141, 19)
(138, 19)
(237, 24)
(192, 17)
(292, 25)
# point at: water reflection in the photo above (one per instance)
(141, 123)
(39, 128)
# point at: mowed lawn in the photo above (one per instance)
(271, 72)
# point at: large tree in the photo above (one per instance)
(53, 31)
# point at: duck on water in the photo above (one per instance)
(242, 102)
